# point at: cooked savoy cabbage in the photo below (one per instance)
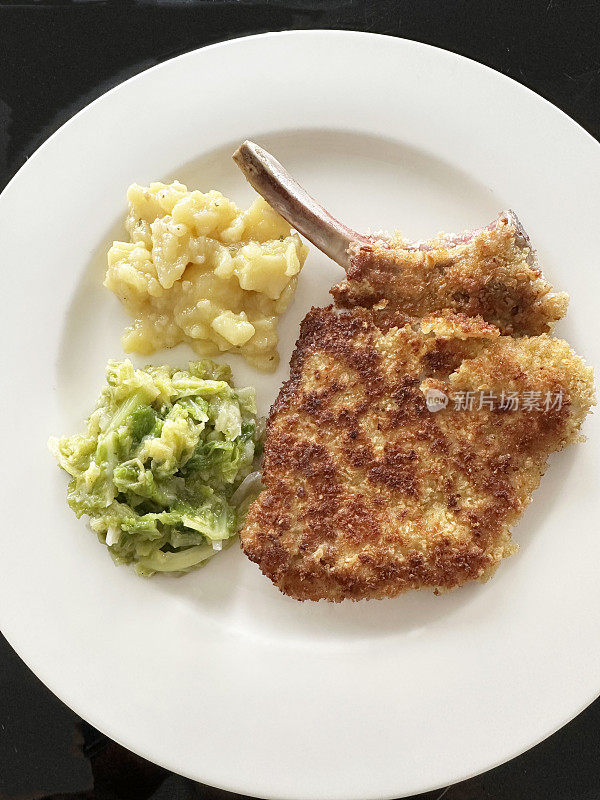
(164, 469)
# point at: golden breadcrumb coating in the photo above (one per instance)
(491, 272)
(368, 493)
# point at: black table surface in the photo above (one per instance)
(57, 56)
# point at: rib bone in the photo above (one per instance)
(288, 198)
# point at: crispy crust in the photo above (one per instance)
(491, 272)
(369, 494)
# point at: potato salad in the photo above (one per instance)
(197, 269)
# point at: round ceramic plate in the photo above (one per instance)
(217, 675)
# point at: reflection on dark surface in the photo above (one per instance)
(57, 56)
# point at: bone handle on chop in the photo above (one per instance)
(294, 204)
(271, 180)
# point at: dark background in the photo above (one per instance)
(57, 56)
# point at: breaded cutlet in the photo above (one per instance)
(491, 272)
(367, 492)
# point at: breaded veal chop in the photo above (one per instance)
(490, 272)
(367, 492)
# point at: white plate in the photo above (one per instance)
(216, 675)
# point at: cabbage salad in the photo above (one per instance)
(165, 468)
